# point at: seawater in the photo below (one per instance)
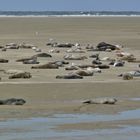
(44, 128)
(69, 13)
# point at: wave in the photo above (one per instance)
(66, 13)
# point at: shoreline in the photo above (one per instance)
(67, 16)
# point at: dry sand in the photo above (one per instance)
(44, 94)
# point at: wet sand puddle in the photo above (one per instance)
(135, 99)
(43, 128)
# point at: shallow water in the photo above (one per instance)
(42, 128)
(135, 99)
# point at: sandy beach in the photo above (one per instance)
(46, 95)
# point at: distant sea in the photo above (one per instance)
(68, 13)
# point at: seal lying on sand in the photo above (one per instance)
(42, 55)
(82, 66)
(31, 61)
(20, 75)
(46, 66)
(1, 47)
(129, 75)
(104, 46)
(95, 56)
(26, 59)
(103, 66)
(101, 101)
(72, 68)
(69, 76)
(12, 101)
(12, 46)
(118, 63)
(87, 72)
(26, 46)
(3, 60)
(60, 63)
(97, 62)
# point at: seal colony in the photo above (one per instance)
(76, 60)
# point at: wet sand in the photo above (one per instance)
(52, 98)
(46, 95)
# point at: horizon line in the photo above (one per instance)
(68, 11)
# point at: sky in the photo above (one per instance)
(69, 5)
